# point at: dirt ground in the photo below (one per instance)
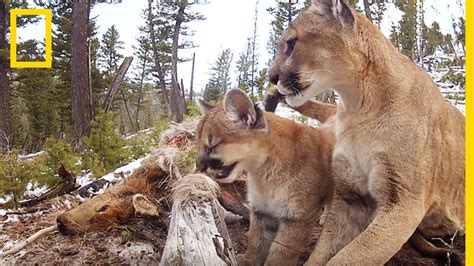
(141, 241)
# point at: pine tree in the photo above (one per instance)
(407, 34)
(142, 75)
(282, 14)
(378, 9)
(459, 28)
(110, 55)
(434, 39)
(243, 65)
(81, 91)
(262, 82)
(5, 93)
(180, 17)
(37, 91)
(220, 80)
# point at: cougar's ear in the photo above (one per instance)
(204, 106)
(337, 8)
(239, 108)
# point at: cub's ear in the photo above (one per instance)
(337, 8)
(204, 106)
(239, 108)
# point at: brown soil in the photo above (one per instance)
(141, 241)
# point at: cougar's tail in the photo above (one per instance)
(427, 249)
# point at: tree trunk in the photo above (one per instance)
(140, 95)
(130, 119)
(5, 112)
(115, 86)
(176, 101)
(191, 92)
(197, 233)
(81, 92)
(156, 58)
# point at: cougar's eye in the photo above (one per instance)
(210, 149)
(290, 45)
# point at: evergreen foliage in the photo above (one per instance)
(105, 148)
(220, 80)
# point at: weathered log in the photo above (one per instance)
(67, 185)
(197, 234)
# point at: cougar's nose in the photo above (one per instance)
(201, 165)
(273, 77)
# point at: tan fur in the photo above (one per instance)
(399, 156)
(112, 207)
(288, 183)
(317, 110)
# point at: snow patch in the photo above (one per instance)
(33, 190)
(29, 156)
(144, 132)
(289, 113)
(126, 170)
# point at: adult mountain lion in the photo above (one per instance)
(288, 185)
(398, 162)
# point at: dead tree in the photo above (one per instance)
(114, 87)
(191, 92)
(66, 185)
(197, 233)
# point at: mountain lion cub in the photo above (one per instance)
(288, 183)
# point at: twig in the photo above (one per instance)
(442, 241)
(30, 239)
(283, 245)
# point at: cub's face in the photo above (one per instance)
(226, 136)
(313, 54)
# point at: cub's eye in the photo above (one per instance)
(290, 45)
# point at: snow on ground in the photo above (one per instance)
(34, 190)
(141, 132)
(5, 199)
(126, 170)
(84, 179)
(461, 105)
(115, 176)
(289, 113)
(29, 156)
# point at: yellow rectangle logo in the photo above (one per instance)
(13, 45)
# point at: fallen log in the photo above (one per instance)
(197, 234)
(30, 210)
(67, 185)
